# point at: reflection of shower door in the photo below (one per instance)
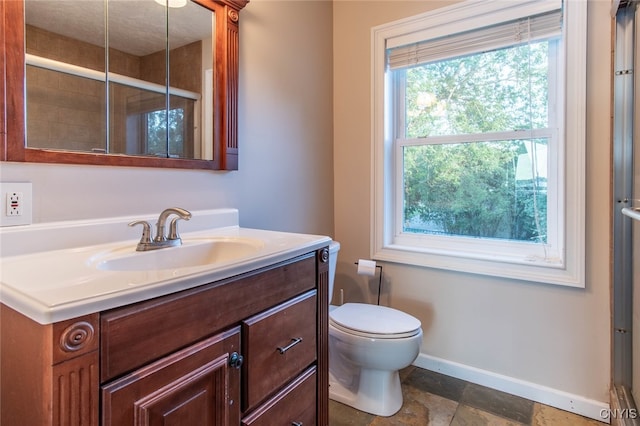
(626, 294)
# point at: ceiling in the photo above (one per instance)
(135, 26)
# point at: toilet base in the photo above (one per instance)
(377, 392)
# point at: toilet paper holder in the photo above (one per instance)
(379, 279)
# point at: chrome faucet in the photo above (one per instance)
(161, 240)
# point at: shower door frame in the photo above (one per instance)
(625, 131)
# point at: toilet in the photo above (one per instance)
(368, 345)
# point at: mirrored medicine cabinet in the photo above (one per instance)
(121, 82)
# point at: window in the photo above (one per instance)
(479, 139)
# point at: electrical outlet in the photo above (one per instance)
(16, 199)
(14, 203)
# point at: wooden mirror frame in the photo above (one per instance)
(225, 97)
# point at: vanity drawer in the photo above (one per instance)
(295, 404)
(278, 344)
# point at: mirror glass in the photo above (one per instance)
(119, 77)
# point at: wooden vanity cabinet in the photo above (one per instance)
(250, 350)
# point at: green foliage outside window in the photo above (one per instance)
(157, 132)
(487, 188)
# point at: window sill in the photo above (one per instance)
(550, 273)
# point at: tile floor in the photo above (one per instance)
(434, 399)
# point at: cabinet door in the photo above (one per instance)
(195, 386)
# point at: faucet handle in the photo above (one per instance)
(173, 228)
(146, 232)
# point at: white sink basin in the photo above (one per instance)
(192, 253)
(53, 272)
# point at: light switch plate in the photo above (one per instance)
(8, 191)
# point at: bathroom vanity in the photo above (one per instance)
(241, 341)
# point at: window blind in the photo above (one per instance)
(524, 30)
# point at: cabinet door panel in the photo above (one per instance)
(193, 386)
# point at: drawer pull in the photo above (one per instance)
(296, 423)
(236, 360)
(290, 345)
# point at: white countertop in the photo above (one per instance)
(65, 282)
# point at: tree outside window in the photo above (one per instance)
(483, 187)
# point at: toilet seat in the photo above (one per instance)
(374, 321)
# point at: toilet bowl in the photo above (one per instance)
(368, 344)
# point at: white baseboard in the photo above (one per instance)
(532, 391)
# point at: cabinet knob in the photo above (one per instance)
(236, 360)
(324, 255)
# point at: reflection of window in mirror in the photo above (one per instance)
(69, 86)
(146, 131)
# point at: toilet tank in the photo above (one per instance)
(334, 247)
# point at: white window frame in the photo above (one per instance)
(387, 244)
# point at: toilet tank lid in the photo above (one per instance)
(374, 319)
